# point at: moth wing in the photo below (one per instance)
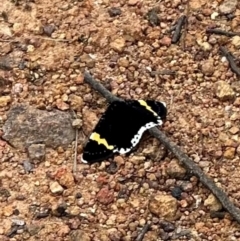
(120, 129)
(135, 120)
(94, 151)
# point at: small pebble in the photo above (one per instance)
(176, 192)
(112, 168)
(113, 12)
(56, 188)
(27, 165)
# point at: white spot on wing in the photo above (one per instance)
(159, 121)
(124, 151)
(84, 161)
(138, 136)
(164, 103)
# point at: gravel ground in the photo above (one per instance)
(46, 45)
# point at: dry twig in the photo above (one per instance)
(143, 232)
(8, 41)
(162, 72)
(75, 145)
(39, 37)
(177, 33)
(187, 13)
(75, 153)
(183, 158)
(231, 61)
(222, 32)
(55, 39)
(185, 232)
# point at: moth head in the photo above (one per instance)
(159, 107)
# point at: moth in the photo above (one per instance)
(121, 127)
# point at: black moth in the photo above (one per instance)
(121, 127)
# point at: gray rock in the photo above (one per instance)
(113, 12)
(152, 17)
(27, 166)
(37, 152)
(18, 221)
(26, 125)
(6, 63)
(228, 6)
(33, 229)
(79, 235)
(77, 123)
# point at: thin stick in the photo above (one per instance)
(75, 146)
(231, 61)
(39, 37)
(183, 158)
(8, 41)
(54, 39)
(185, 232)
(186, 25)
(222, 32)
(143, 232)
(177, 33)
(163, 72)
(100, 88)
(75, 153)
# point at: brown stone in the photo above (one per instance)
(5, 100)
(236, 41)
(61, 105)
(229, 153)
(79, 235)
(212, 203)
(105, 196)
(132, 2)
(79, 79)
(8, 210)
(88, 60)
(67, 179)
(76, 102)
(208, 68)
(123, 62)
(90, 120)
(56, 188)
(74, 210)
(166, 41)
(164, 206)
(224, 91)
(118, 44)
(196, 4)
(238, 150)
(175, 170)
(119, 160)
(234, 130)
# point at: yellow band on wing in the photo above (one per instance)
(144, 103)
(96, 137)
